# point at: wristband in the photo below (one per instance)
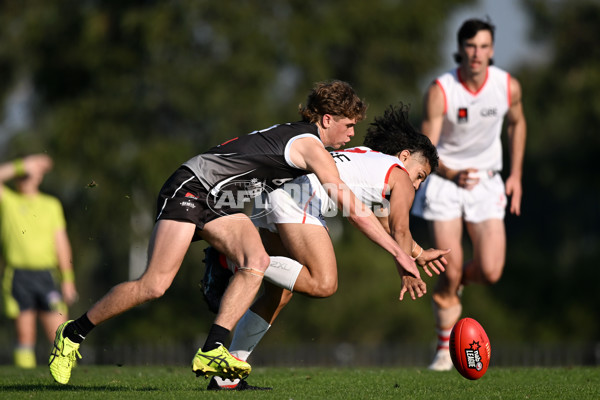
(19, 166)
(68, 276)
(419, 255)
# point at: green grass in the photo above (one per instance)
(102, 382)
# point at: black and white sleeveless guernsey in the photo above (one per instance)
(252, 162)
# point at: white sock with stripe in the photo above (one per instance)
(443, 338)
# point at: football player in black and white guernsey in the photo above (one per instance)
(204, 199)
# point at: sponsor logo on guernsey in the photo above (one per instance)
(489, 112)
(187, 204)
(463, 115)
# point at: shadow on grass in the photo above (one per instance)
(75, 388)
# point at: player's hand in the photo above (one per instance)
(416, 287)
(514, 190)
(406, 265)
(37, 164)
(69, 293)
(434, 259)
(467, 178)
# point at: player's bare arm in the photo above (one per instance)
(517, 132)
(431, 127)
(401, 199)
(64, 254)
(310, 154)
(33, 165)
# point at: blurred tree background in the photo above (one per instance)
(121, 93)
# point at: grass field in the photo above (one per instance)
(102, 382)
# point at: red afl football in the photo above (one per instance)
(470, 348)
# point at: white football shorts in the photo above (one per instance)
(301, 201)
(440, 199)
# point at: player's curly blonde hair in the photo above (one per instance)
(335, 98)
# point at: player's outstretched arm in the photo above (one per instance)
(400, 201)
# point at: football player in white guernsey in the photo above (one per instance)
(384, 175)
(464, 112)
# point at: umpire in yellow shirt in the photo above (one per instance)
(37, 254)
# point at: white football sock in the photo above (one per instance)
(248, 333)
(443, 336)
(445, 318)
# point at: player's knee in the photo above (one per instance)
(151, 290)
(491, 277)
(258, 262)
(454, 275)
(444, 301)
(324, 288)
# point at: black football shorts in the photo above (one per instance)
(184, 198)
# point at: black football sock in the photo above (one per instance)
(77, 330)
(216, 337)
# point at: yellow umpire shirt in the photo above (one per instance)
(28, 225)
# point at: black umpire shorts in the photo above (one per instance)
(35, 290)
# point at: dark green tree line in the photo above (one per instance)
(123, 92)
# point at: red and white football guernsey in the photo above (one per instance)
(304, 200)
(366, 172)
(470, 136)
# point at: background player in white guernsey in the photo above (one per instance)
(384, 175)
(463, 117)
(193, 204)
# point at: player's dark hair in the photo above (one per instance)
(469, 29)
(392, 133)
(335, 98)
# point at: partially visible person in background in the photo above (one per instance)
(37, 255)
(463, 116)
